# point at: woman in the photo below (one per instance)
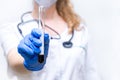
(65, 58)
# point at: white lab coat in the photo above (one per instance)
(62, 63)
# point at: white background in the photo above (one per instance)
(103, 20)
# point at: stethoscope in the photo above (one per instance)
(66, 44)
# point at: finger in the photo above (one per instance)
(36, 33)
(46, 39)
(31, 45)
(46, 44)
(35, 41)
(24, 50)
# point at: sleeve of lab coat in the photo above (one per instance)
(90, 67)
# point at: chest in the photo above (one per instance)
(61, 55)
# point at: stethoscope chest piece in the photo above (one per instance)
(67, 44)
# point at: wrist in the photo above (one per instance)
(34, 67)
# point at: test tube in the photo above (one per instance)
(41, 27)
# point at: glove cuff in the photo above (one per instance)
(36, 66)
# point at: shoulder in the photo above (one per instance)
(8, 26)
(82, 28)
(8, 29)
(8, 36)
(81, 35)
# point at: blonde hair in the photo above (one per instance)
(65, 10)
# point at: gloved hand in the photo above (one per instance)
(29, 49)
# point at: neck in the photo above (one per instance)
(50, 13)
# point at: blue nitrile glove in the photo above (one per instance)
(29, 48)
